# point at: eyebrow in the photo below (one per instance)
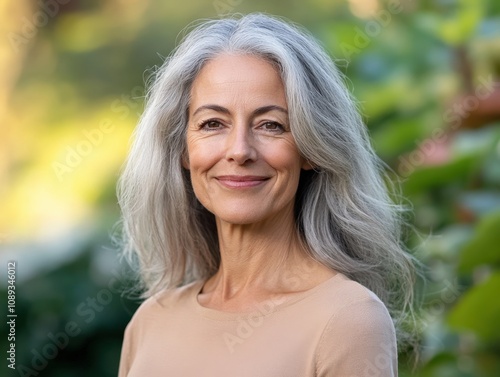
(258, 111)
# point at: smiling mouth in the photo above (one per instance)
(241, 181)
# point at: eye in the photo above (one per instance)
(210, 124)
(273, 127)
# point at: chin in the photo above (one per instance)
(241, 213)
(239, 218)
(253, 216)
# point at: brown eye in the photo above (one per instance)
(273, 127)
(210, 124)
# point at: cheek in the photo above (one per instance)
(201, 155)
(284, 157)
(198, 166)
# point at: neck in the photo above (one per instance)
(254, 256)
(259, 262)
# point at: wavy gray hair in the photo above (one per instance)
(343, 211)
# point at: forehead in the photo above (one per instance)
(242, 75)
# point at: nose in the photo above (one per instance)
(240, 145)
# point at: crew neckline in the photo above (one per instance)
(262, 309)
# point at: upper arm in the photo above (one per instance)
(358, 341)
(133, 334)
(126, 352)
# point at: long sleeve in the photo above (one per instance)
(358, 341)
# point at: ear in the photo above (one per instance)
(306, 165)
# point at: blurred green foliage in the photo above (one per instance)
(423, 72)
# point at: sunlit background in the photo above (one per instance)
(72, 73)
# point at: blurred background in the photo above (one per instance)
(72, 72)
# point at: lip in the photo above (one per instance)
(241, 181)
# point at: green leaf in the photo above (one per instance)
(457, 23)
(484, 246)
(394, 137)
(478, 310)
(443, 364)
(421, 179)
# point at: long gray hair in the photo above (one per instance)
(343, 211)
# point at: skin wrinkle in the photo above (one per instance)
(237, 97)
(171, 239)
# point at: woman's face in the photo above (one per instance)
(242, 157)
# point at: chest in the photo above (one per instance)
(263, 346)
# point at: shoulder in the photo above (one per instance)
(359, 338)
(161, 302)
(145, 319)
(353, 308)
(343, 298)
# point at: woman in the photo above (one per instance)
(252, 201)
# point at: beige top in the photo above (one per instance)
(339, 328)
